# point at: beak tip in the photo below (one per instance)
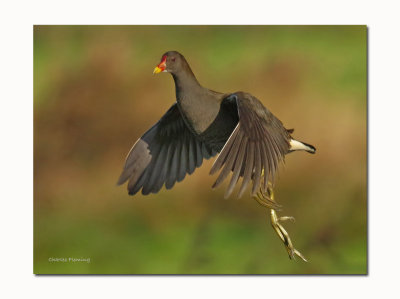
(157, 70)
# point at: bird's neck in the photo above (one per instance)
(185, 84)
(198, 107)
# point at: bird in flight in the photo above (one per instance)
(249, 140)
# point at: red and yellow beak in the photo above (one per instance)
(162, 66)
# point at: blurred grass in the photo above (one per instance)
(94, 95)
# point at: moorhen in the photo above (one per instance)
(250, 141)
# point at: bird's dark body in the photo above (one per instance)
(216, 135)
(202, 123)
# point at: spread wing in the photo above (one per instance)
(164, 154)
(259, 142)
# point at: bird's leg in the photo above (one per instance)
(266, 199)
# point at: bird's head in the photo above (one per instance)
(171, 62)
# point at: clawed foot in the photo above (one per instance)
(285, 218)
(266, 199)
(284, 236)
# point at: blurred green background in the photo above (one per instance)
(94, 95)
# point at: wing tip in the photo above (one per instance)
(227, 194)
(132, 192)
(122, 179)
(241, 191)
(215, 167)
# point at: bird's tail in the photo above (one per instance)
(296, 145)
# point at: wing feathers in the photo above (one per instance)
(257, 169)
(263, 143)
(237, 167)
(199, 158)
(163, 173)
(191, 154)
(266, 164)
(228, 166)
(248, 168)
(173, 170)
(164, 154)
(183, 161)
(224, 152)
(154, 172)
(137, 160)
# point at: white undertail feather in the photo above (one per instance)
(300, 146)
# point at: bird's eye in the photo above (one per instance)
(173, 59)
